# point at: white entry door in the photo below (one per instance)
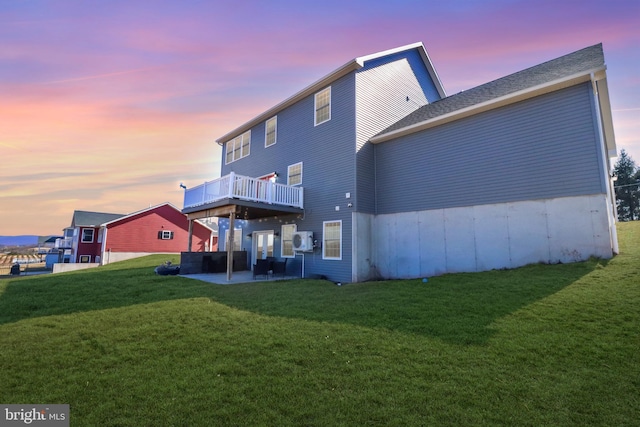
(262, 245)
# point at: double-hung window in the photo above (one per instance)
(323, 106)
(332, 240)
(87, 235)
(294, 174)
(238, 147)
(165, 235)
(287, 240)
(271, 131)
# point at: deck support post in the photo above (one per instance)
(230, 245)
(189, 242)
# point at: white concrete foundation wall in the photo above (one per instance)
(64, 267)
(486, 237)
(110, 257)
(363, 267)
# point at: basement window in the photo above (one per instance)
(332, 240)
(287, 240)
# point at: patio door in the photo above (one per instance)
(262, 245)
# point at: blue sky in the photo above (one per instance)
(108, 106)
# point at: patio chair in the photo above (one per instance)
(261, 268)
(280, 267)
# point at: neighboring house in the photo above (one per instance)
(82, 240)
(394, 179)
(96, 237)
(46, 244)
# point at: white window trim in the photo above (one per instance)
(324, 242)
(289, 174)
(93, 232)
(237, 140)
(275, 133)
(282, 240)
(315, 107)
(168, 234)
(87, 257)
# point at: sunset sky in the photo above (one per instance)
(108, 105)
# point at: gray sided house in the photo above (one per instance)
(373, 172)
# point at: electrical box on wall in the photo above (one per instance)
(303, 241)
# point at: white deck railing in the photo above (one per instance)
(234, 186)
(65, 243)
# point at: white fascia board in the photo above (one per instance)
(511, 98)
(434, 74)
(362, 59)
(150, 208)
(607, 118)
(423, 54)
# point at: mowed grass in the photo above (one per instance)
(540, 345)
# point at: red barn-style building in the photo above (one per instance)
(102, 238)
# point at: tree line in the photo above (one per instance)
(627, 187)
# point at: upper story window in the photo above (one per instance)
(323, 106)
(238, 147)
(87, 235)
(294, 174)
(271, 131)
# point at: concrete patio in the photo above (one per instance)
(237, 277)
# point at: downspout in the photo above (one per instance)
(230, 245)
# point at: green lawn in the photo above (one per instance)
(540, 345)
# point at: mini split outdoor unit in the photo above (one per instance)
(303, 241)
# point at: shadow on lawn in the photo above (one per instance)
(88, 290)
(457, 308)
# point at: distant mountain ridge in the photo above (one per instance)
(24, 240)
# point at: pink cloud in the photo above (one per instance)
(133, 95)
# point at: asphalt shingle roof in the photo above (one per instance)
(581, 61)
(92, 219)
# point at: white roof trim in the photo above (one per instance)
(607, 118)
(150, 208)
(345, 69)
(489, 105)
